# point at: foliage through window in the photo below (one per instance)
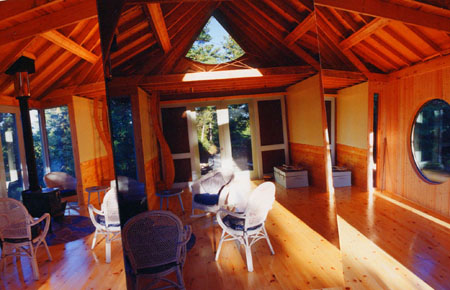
(214, 45)
(59, 139)
(123, 137)
(37, 142)
(430, 141)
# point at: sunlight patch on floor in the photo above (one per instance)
(366, 266)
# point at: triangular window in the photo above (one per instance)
(214, 45)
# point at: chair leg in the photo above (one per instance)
(108, 249)
(268, 240)
(181, 202)
(220, 245)
(47, 249)
(161, 203)
(180, 278)
(94, 240)
(248, 254)
(34, 264)
(89, 198)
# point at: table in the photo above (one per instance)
(96, 189)
(169, 193)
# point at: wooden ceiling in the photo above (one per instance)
(358, 39)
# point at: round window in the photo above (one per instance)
(430, 141)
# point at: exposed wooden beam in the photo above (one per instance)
(14, 53)
(159, 26)
(217, 80)
(422, 68)
(275, 34)
(379, 8)
(307, 23)
(72, 14)
(334, 39)
(351, 75)
(424, 37)
(364, 32)
(13, 9)
(185, 41)
(69, 45)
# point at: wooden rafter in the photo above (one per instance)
(14, 9)
(379, 8)
(70, 45)
(276, 34)
(159, 25)
(334, 39)
(301, 29)
(191, 30)
(425, 38)
(172, 83)
(404, 41)
(14, 54)
(75, 13)
(364, 32)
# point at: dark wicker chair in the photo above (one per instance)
(155, 246)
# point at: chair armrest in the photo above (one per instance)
(92, 212)
(95, 210)
(46, 217)
(187, 234)
(232, 213)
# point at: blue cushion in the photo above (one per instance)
(207, 199)
(237, 223)
(67, 192)
(101, 220)
(35, 232)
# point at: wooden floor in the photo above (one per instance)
(383, 246)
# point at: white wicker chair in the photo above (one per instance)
(248, 227)
(155, 246)
(106, 220)
(211, 183)
(16, 233)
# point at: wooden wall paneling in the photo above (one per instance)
(311, 157)
(355, 159)
(400, 101)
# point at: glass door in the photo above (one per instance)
(207, 129)
(11, 145)
(224, 137)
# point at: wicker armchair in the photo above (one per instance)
(20, 234)
(248, 227)
(206, 191)
(106, 220)
(155, 246)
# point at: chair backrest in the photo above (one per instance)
(212, 182)
(14, 220)
(153, 238)
(60, 180)
(110, 207)
(259, 203)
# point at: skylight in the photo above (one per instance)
(214, 45)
